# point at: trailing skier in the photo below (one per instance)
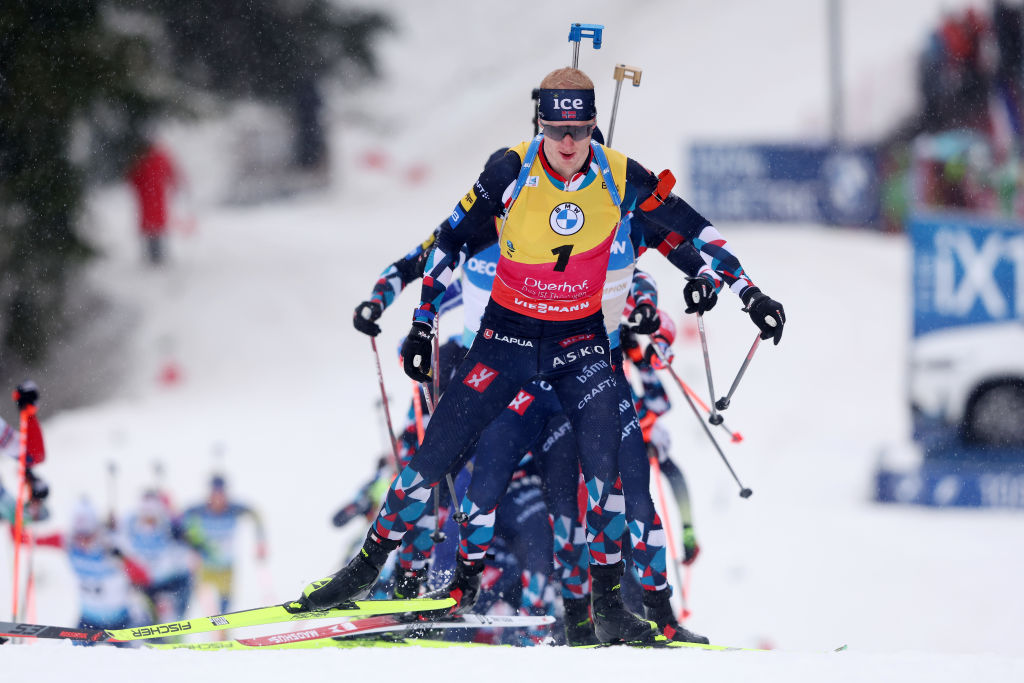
(211, 527)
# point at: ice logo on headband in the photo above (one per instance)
(566, 105)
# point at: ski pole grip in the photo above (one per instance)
(633, 72)
(577, 32)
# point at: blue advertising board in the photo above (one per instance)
(953, 484)
(966, 271)
(795, 183)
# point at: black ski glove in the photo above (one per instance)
(627, 338)
(416, 352)
(365, 316)
(700, 295)
(630, 344)
(644, 319)
(767, 313)
(26, 394)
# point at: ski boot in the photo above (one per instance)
(579, 627)
(352, 582)
(408, 582)
(464, 587)
(613, 623)
(659, 610)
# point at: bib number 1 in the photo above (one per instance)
(563, 257)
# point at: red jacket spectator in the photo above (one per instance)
(958, 42)
(153, 176)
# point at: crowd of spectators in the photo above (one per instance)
(962, 149)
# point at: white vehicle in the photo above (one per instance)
(971, 380)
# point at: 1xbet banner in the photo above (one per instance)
(966, 271)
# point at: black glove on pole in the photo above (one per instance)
(365, 316)
(627, 338)
(700, 295)
(38, 489)
(767, 313)
(644, 319)
(417, 351)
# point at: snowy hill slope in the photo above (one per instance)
(255, 311)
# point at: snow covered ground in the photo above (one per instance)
(255, 311)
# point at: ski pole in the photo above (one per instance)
(438, 536)
(457, 514)
(621, 71)
(28, 609)
(723, 402)
(384, 403)
(417, 412)
(687, 582)
(427, 398)
(735, 437)
(577, 32)
(382, 423)
(744, 491)
(670, 538)
(535, 96)
(19, 517)
(436, 365)
(714, 418)
(111, 494)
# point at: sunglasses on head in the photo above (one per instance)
(575, 132)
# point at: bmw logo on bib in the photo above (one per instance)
(567, 219)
